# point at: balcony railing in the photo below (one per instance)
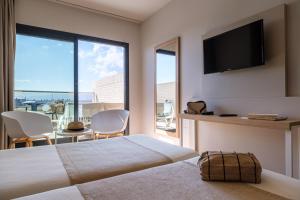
(59, 105)
(34, 99)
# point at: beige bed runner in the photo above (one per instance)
(93, 160)
(180, 180)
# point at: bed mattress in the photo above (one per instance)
(179, 180)
(29, 171)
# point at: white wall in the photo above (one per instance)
(191, 19)
(50, 15)
(269, 77)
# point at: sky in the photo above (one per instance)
(47, 65)
(44, 64)
(166, 68)
(97, 61)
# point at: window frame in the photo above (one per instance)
(34, 31)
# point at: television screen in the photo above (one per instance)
(239, 48)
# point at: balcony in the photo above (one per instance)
(59, 105)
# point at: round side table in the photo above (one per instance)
(73, 134)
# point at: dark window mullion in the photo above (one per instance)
(126, 85)
(76, 97)
(126, 77)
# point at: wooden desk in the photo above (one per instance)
(285, 125)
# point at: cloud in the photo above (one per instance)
(94, 51)
(106, 73)
(96, 47)
(103, 60)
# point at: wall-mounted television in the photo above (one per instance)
(240, 48)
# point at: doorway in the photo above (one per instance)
(167, 89)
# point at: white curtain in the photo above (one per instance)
(7, 57)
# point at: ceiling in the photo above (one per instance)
(131, 10)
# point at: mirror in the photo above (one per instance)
(167, 88)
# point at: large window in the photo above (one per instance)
(101, 77)
(44, 80)
(68, 76)
(165, 92)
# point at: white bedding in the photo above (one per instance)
(271, 182)
(275, 183)
(171, 151)
(29, 171)
(67, 193)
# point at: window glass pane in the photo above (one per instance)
(44, 77)
(166, 94)
(101, 77)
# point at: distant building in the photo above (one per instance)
(109, 89)
(166, 91)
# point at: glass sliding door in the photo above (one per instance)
(68, 76)
(165, 92)
(101, 78)
(167, 99)
(44, 77)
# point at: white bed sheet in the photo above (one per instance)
(274, 183)
(271, 182)
(169, 150)
(67, 193)
(34, 170)
(30, 170)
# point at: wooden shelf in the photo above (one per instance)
(243, 121)
(285, 125)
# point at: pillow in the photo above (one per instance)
(219, 166)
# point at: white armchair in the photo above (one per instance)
(109, 123)
(26, 127)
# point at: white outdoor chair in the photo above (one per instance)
(26, 127)
(109, 123)
(168, 114)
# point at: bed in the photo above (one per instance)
(29, 171)
(180, 180)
